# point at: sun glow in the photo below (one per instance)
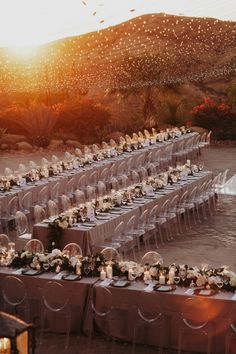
(22, 52)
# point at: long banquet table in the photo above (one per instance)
(87, 237)
(125, 301)
(87, 170)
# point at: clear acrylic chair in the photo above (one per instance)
(151, 258)
(82, 182)
(34, 246)
(90, 193)
(22, 168)
(78, 153)
(15, 297)
(55, 305)
(101, 189)
(73, 249)
(101, 306)
(114, 183)
(39, 214)
(22, 226)
(26, 203)
(8, 172)
(110, 253)
(55, 192)
(195, 320)
(65, 203)
(70, 188)
(148, 318)
(43, 197)
(52, 209)
(93, 178)
(7, 213)
(44, 162)
(79, 197)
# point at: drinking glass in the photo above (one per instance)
(176, 279)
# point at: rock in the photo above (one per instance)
(54, 144)
(12, 138)
(23, 145)
(73, 143)
(4, 147)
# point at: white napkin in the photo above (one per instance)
(59, 276)
(106, 282)
(18, 271)
(189, 292)
(234, 297)
(149, 288)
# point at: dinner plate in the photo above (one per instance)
(164, 288)
(204, 292)
(71, 277)
(31, 272)
(120, 283)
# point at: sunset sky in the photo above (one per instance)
(32, 22)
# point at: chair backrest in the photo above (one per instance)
(55, 296)
(101, 301)
(22, 168)
(44, 162)
(34, 246)
(65, 202)
(114, 184)
(52, 208)
(143, 174)
(22, 225)
(90, 193)
(124, 180)
(12, 206)
(55, 191)
(43, 196)
(135, 177)
(110, 253)
(153, 213)
(203, 137)
(195, 312)
(13, 291)
(70, 187)
(132, 223)
(104, 174)
(79, 197)
(78, 152)
(81, 183)
(73, 249)
(93, 178)
(149, 307)
(143, 218)
(118, 230)
(8, 171)
(151, 258)
(101, 188)
(4, 240)
(27, 201)
(39, 214)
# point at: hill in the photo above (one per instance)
(150, 50)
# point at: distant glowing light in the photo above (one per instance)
(22, 52)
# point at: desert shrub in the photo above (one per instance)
(217, 117)
(83, 118)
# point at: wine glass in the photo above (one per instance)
(176, 279)
(219, 282)
(46, 266)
